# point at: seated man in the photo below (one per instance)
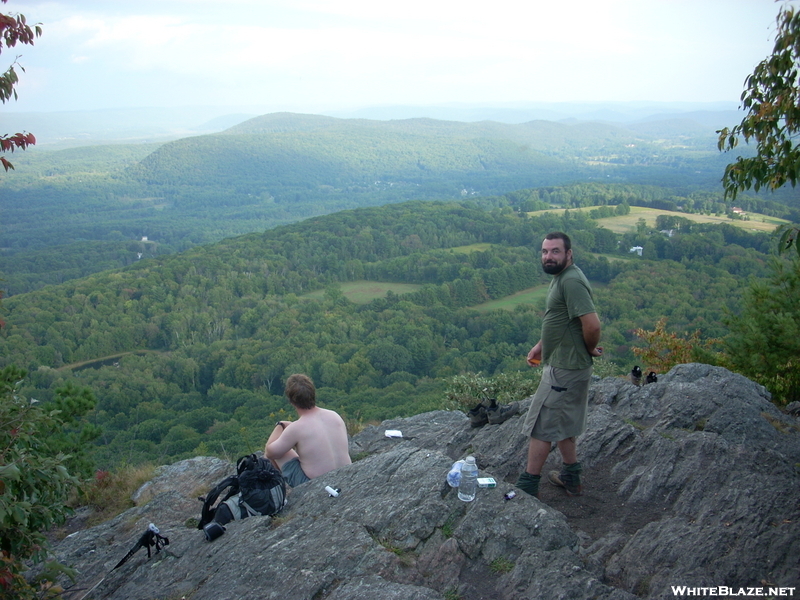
(314, 444)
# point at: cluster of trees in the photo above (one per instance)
(48, 257)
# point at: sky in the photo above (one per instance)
(321, 55)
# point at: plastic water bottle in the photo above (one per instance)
(469, 480)
(454, 475)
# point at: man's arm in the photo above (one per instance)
(590, 324)
(281, 441)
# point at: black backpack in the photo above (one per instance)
(258, 488)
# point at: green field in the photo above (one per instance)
(627, 223)
(480, 247)
(362, 292)
(534, 295)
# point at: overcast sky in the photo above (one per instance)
(317, 55)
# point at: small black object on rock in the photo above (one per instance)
(636, 375)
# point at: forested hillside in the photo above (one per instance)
(73, 212)
(187, 353)
(350, 161)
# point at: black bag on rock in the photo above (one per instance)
(258, 488)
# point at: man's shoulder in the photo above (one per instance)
(572, 275)
(574, 271)
(325, 415)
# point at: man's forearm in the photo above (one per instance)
(590, 325)
(591, 339)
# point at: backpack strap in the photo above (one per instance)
(207, 513)
(245, 463)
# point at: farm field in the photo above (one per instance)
(627, 223)
(361, 292)
(534, 295)
(479, 247)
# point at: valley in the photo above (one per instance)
(192, 313)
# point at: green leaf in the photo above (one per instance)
(782, 245)
(10, 472)
(20, 516)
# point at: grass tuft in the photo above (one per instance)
(779, 425)
(109, 493)
(501, 565)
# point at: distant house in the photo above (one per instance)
(637, 249)
(144, 238)
(737, 211)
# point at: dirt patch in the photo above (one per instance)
(600, 511)
(477, 583)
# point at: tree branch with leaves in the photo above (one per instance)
(771, 100)
(663, 349)
(14, 30)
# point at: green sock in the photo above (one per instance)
(571, 477)
(529, 483)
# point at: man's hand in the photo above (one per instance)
(535, 355)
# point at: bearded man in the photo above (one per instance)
(570, 334)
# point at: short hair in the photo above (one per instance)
(560, 235)
(300, 391)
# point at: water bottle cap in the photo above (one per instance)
(470, 459)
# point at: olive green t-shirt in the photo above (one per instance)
(568, 299)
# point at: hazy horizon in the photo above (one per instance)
(60, 129)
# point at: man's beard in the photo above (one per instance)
(552, 267)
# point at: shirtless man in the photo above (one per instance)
(314, 444)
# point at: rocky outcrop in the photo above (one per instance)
(690, 481)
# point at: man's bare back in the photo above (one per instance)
(318, 438)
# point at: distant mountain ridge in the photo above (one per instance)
(286, 154)
(522, 112)
(147, 124)
(275, 152)
(541, 134)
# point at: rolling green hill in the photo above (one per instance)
(280, 168)
(262, 155)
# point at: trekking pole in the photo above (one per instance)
(151, 537)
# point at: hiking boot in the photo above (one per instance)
(569, 478)
(529, 483)
(500, 414)
(477, 416)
